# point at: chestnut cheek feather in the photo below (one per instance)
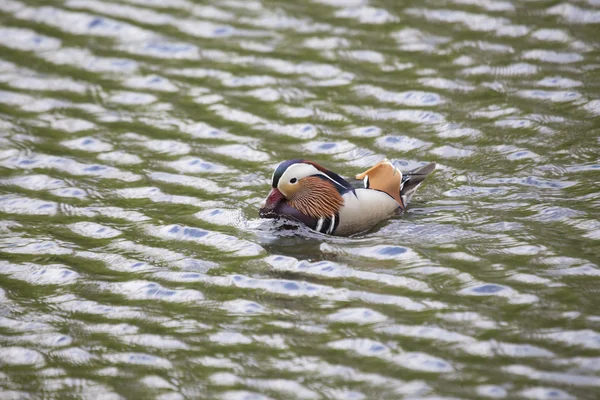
(317, 198)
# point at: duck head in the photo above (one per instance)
(304, 190)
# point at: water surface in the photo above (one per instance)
(137, 139)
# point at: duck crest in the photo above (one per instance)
(324, 201)
(281, 168)
(342, 184)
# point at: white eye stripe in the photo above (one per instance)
(302, 170)
(297, 171)
(331, 179)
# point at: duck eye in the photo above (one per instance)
(293, 180)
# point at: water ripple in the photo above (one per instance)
(137, 139)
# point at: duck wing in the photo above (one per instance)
(411, 180)
(385, 177)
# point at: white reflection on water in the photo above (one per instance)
(137, 139)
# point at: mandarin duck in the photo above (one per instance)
(327, 203)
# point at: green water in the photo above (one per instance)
(137, 140)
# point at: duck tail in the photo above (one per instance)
(411, 180)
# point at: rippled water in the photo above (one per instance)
(137, 139)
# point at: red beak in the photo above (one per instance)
(270, 203)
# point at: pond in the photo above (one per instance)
(138, 139)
